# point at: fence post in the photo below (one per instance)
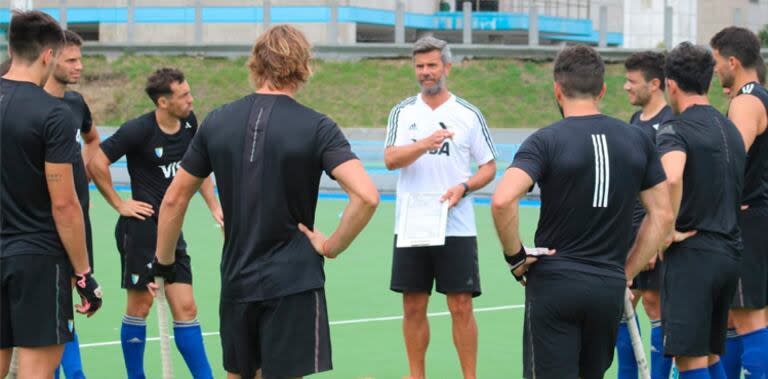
(63, 14)
(198, 22)
(533, 25)
(668, 27)
(467, 24)
(267, 10)
(130, 22)
(603, 42)
(333, 26)
(399, 21)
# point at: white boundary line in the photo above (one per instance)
(342, 322)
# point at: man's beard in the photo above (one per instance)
(642, 99)
(726, 80)
(62, 79)
(435, 89)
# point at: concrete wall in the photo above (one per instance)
(615, 14)
(419, 6)
(644, 22)
(230, 33)
(717, 14)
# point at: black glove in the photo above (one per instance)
(90, 291)
(515, 261)
(167, 272)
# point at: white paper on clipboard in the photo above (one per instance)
(423, 220)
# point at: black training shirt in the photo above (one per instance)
(35, 128)
(153, 156)
(268, 153)
(756, 178)
(590, 170)
(650, 127)
(83, 123)
(713, 176)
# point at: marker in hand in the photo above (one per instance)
(442, 125)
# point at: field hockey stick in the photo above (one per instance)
(162, 322)
(634, 334)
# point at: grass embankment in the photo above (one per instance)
(511, 93)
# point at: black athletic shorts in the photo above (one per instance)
(647, 280)
(697, 289)
(453, 267)
(752, 287)
(35, 301)
(136, 241)
(571, 323)
(286, 337)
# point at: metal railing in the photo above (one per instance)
(555, 20)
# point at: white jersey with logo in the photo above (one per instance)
(438, 170)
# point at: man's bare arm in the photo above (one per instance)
(67, 213)
(98, 167)
(172, 210)
(748, 114)
(512, 186)
(401, 156)
(91, 143)
(209, 195)
(363, 200)
(656, 226)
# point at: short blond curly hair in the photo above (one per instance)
(280, 59)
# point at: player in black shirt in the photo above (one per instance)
(268, 153)
(590, 168)
(154, 144)
(645, 86)
(704, 159)
(42, 234)
(737, 56)
(67, 71)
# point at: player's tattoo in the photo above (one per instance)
(55, 178)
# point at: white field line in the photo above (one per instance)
(342, 322)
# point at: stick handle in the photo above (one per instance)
(13, 370)
(165, 339)
(634, 334)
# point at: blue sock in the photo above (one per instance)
(70, 361)
(627, 361)
(699, 373)
(660, 364)
(755, 356)
(732, 358)
(189, 341)
(133, 337)
(717, 371)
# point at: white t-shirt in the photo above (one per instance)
(438, 170)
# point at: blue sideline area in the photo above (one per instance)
(371, 153)
(552, 28)
(384, 197)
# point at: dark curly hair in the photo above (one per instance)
(691, 67)
(649, 63)
(159, 83)
(580, 71)
(737, 42)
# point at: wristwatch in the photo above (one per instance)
(466, 189)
